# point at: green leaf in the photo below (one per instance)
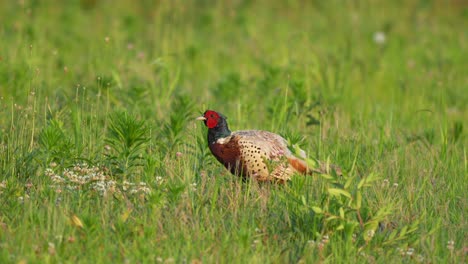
(366, 181)
(311, 163)
(369, 230)
(358, 200)
(348, 182)
(371, 225)
(317, 209)
(403, 231)
(350, 226)
(116, 78)
(392, 235)
(128, 138)
(338, 192)
(333, 217)
(327, 176)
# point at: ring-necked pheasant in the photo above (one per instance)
(262, 155)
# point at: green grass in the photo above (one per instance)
(116, 85)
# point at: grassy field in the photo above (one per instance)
(101, 159)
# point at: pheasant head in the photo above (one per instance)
(217, 125)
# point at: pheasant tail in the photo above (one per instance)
(322, 168)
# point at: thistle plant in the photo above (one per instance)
(54, 144)
(126, 141)
(172, 130)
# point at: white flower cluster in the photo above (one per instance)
(85, 177)
(411, 252)
(134, 188)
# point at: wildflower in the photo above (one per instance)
(320, 245)
(36, 249)
(145, 190)
(49, 172)
(110, 187)
(325, 239)
(395, 185)
(179, 154)
(99, 187)
(380, 38)
(385, 183)
(51, 248)
(401, 251)
(58, 200)
(255, 243)
(57, 179)
(159, 180)
(141, 55)
(451, 245)
(71, 187)
(370, 233)
(125, 185)
(85, 177)
(410, 251)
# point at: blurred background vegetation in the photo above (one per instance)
(377, 86)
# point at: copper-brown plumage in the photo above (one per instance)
(262, 155)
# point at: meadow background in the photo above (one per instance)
(100, 159)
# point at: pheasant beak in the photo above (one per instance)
(200, 118)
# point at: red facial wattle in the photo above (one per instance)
(211, 122)
(211, 119)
